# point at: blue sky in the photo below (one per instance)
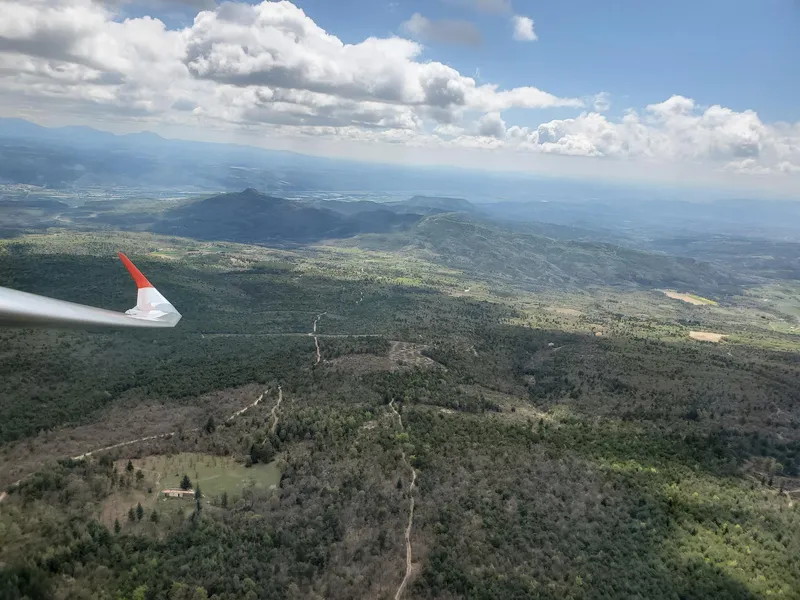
(703, 91)
(744, 54)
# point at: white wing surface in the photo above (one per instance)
(21, 309)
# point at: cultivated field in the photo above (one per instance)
(690, 298)
(707, 336)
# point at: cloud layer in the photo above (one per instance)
(269, 68)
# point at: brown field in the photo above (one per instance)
(707, 336)
(689, 298)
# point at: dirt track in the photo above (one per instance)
(316, 339)
(274, 413)
(85, 455)
(409, 566)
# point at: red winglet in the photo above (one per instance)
(141, 280)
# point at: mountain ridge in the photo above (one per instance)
(253, 217)
(536, 261)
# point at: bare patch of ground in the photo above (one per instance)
(690, 298)
(402, 355)
(119, 424)
(707, 336)
(512, 407)
(597, 329)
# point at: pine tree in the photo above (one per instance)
(186, 483)
(129, 467)
(154, 516)
(117, 527)
(224, 500)
(210, 425)
(139, 475)
(131, 515)
(139, 511)
(197, 497)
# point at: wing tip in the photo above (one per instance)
(136, 274)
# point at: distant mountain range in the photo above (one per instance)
(450, 231)
(253, 217)
(77, 158)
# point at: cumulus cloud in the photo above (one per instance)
(269, 69)
(673, 131)
(445, 31)
(276, 45)
(239, 63)
(523, 29)
(492, 125)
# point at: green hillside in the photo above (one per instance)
(492, 252)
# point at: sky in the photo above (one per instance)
(702, 92)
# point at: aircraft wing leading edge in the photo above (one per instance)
(21, 309)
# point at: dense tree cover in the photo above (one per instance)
(550, 464)
(232, 333)
(571, 506)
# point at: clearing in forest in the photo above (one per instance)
(214, 474)
(407, 355)
(690, 298)
(707, 336)
(402, 355)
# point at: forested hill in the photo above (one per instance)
(491, 250)
(253, 217)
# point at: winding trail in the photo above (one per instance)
(246, 408)
(85, 455)
(316, 339)
(273, 412)
(121, 444)
(164, 435)
(409, 567)
(274, 409)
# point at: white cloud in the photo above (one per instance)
(448, 131)
(673, 131)
(270, 72)
(523, 29)
(286, 68)
(602, 102)
(276, 45)
(446, 31)
(492, 125)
